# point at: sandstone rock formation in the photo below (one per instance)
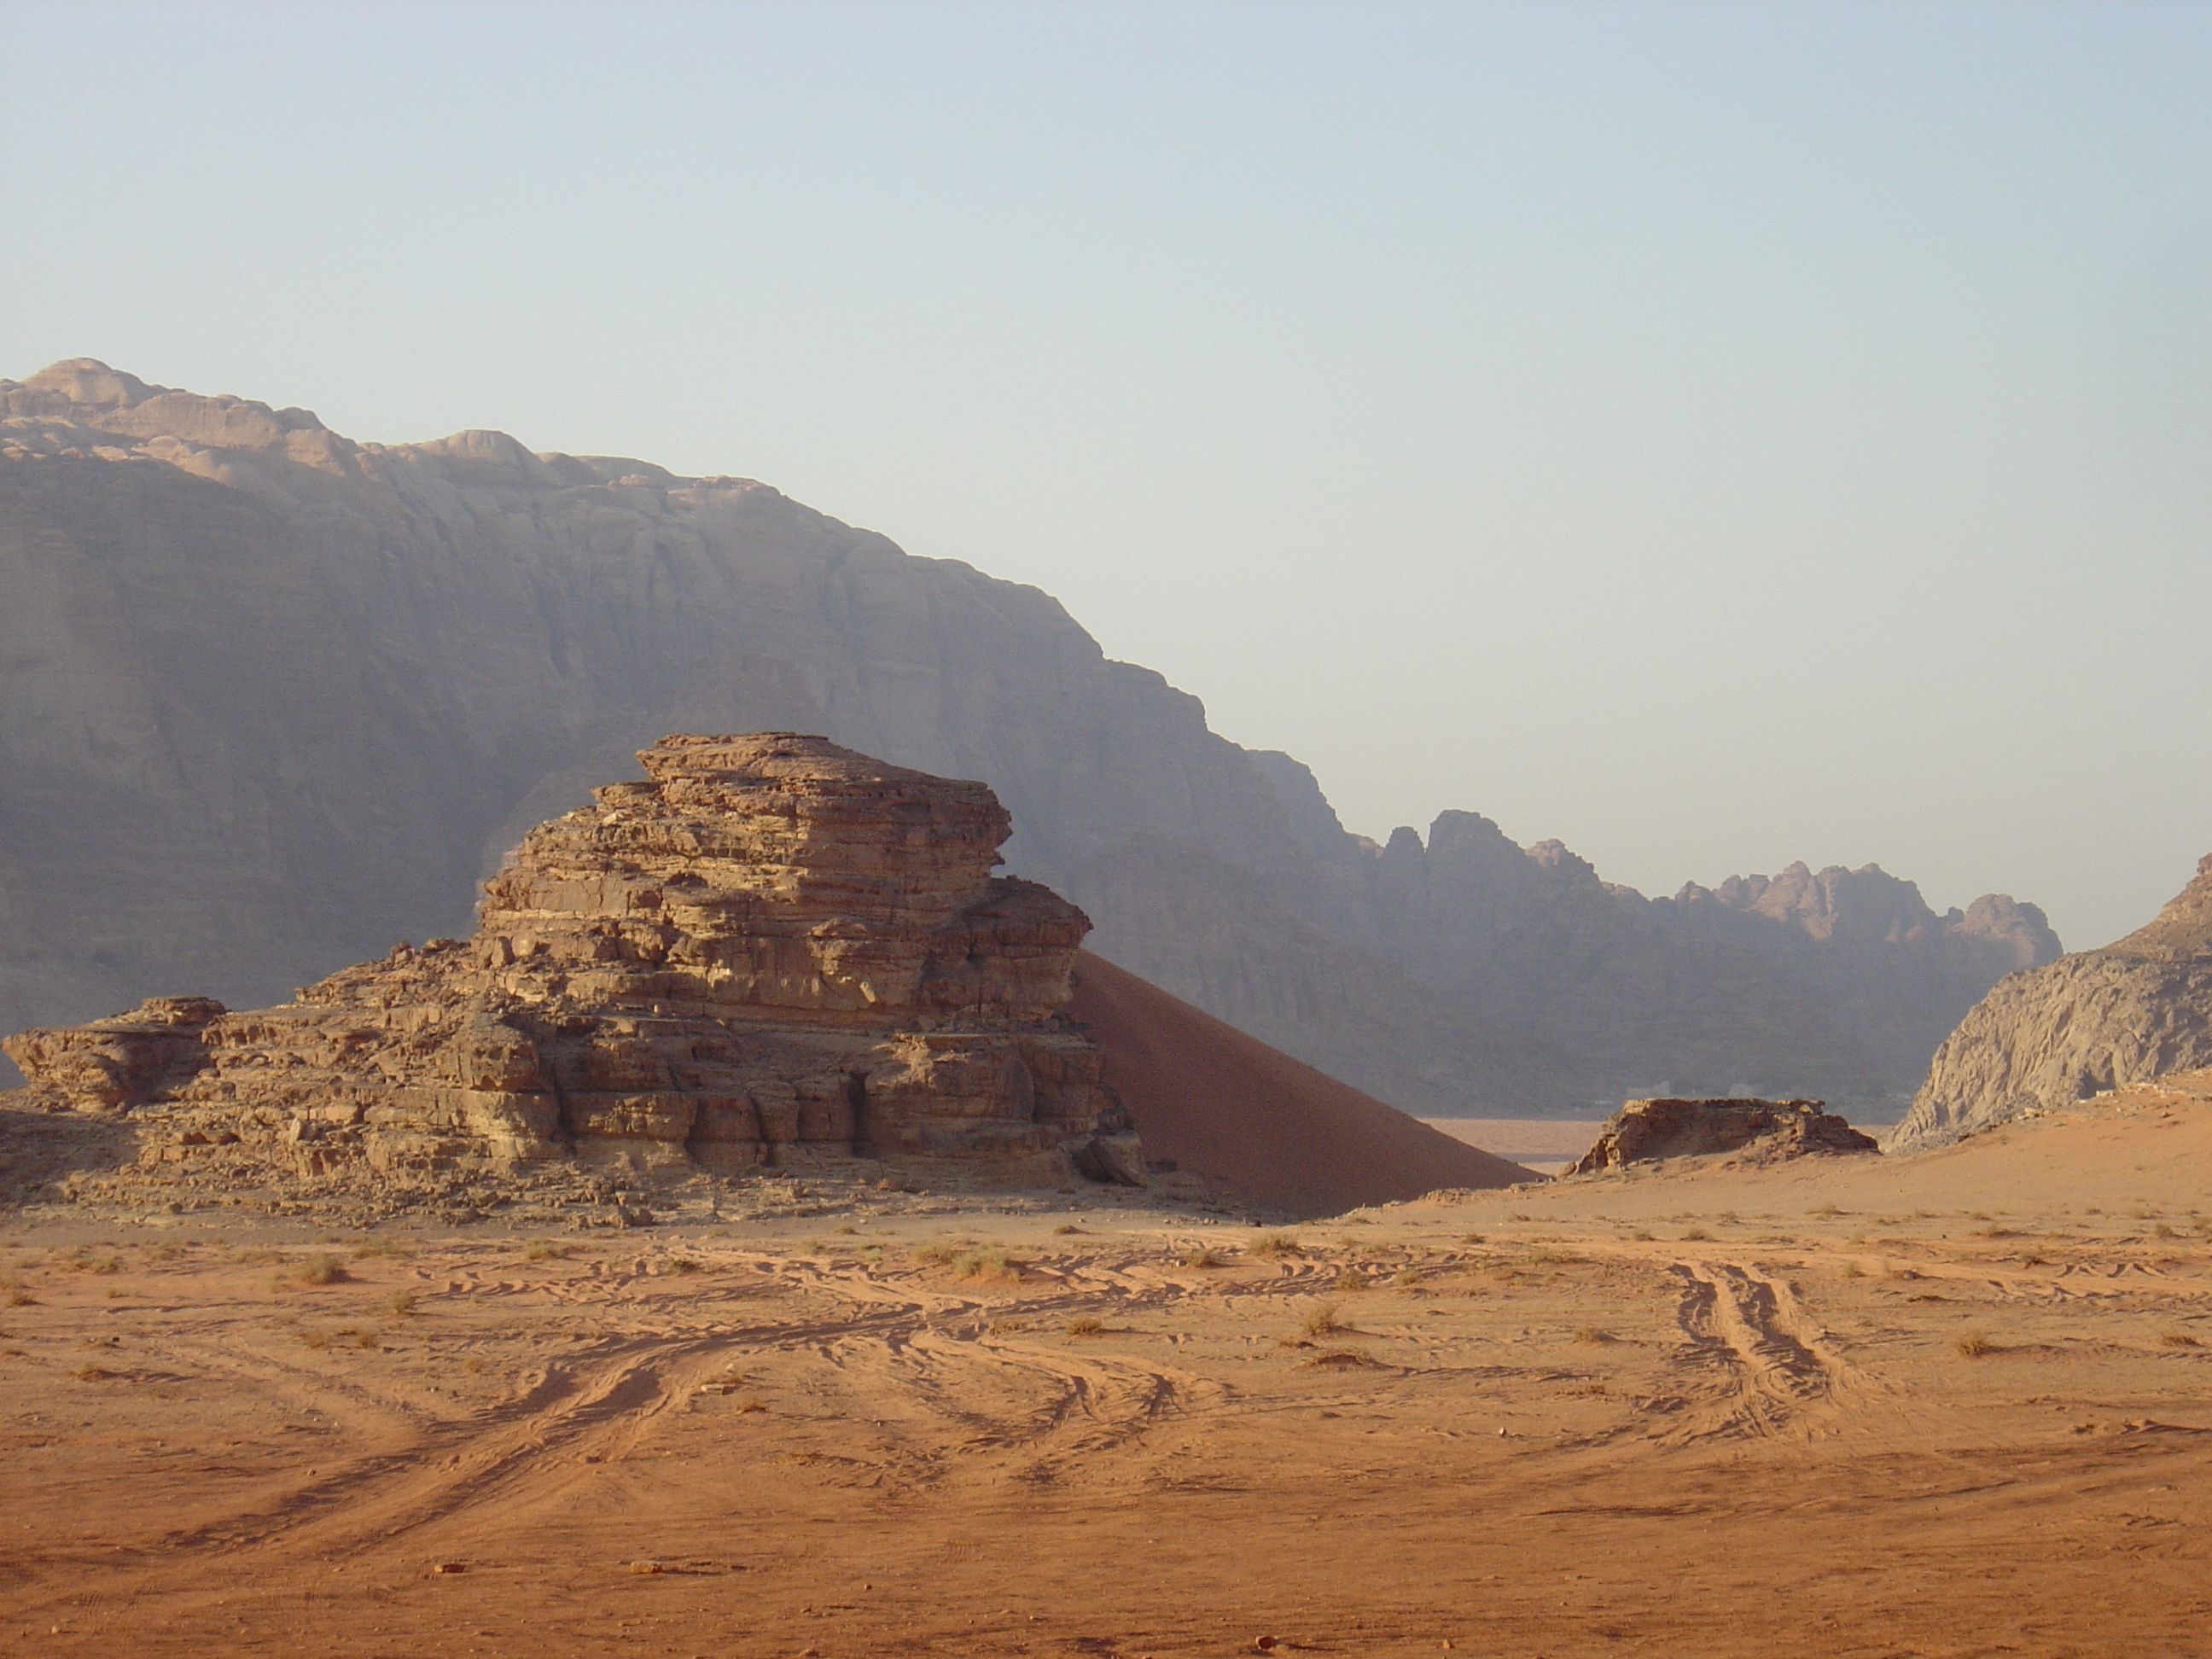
(771, 950)
(1646, 1130)
(2138, 1009)
(271, 698)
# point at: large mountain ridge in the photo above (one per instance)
(271, 698)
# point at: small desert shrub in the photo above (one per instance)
(1590, 1390)
(683, 1264)
(1320, 1321)
(1347, 1280)
(2164, 1231)
(473, 1365)
(1005, 1327)
(1066, 1229)
(2032, 1260)
(1471, 1239)
(20, 1298)
(2177, 1340)
(116, 1292)
(1274, 1244)
(981, 1262)
(369, 1247)
(399, 1304)
(748, 1403)
(1406, 1277)
(97, 1264)
(1643, 1236)
(94, 1374)
(1979, 1215)
(1590, 1336)
(1972, 1345)
(1520, 1215)
(546, 1250)
(1085, 1325)
(1993, 1230)
(1697, 1236)
(319, 1270)
(357, 1336)
(1202, 1258)
(845, 1227)
(1852, 1270)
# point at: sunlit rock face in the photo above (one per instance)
(771, 949)
(2138, 1009)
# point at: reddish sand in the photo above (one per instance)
(1952, 1406)
(1227, 1105)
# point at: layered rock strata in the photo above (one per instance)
(771, 950)
(2138, 1009)
(1646, 1130)
(269, 697)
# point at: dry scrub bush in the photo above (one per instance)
(1065, 1230)
(1320, 1321)
(1697, 1236)
(1406, 1277)
(683, 1264)
(1590, 1336)
(1085, 1325)
(319, 1270)
(1203, 1258)
(1274, 1244)
(94, 1374)
(546, 1250)
(1852, 1270)
(369, 1247)
(399, 1304)
(1347, 1279)
(1972, 1345)
(2177, 1340)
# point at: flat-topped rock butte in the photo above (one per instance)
(771, 951)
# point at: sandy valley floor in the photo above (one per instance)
(1960, 1404)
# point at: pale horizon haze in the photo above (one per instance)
(1712, 435)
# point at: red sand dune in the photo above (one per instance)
(1225, 1104)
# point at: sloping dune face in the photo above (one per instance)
(1213, 1100)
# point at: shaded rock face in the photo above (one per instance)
(271, 698)
(772, 948)
(1646, 1130)
(2138, 1009)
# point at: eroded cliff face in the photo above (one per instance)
(773, 948)
(2138, 1009)
(270, 699)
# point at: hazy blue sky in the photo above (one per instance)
(1713, 435)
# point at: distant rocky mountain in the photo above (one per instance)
(271, 699)
(2138, 1009)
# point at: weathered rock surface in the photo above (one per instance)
(772, 949)
(2138, 1009)
(1646, 1130)
(271, 698)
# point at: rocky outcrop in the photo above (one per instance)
(772, 948)
(1760, 1131)
(271, 698)
(2138, 1009)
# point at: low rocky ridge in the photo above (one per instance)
(1756, 1131)
(2138, 1009)
(271, 698)
(772, 953)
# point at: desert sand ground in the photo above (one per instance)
(1956, 1404)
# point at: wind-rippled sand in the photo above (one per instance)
(1959, 1404)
